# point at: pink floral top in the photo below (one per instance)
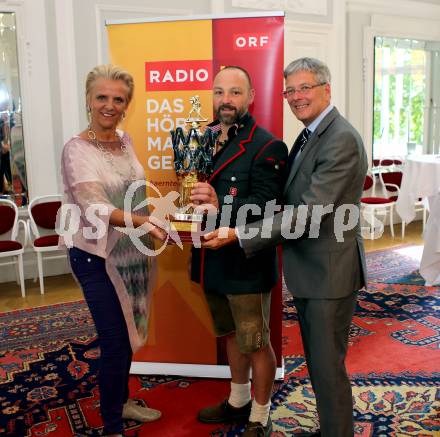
(98, 184)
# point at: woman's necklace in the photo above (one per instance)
(109, 156)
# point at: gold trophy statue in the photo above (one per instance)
(193, 151)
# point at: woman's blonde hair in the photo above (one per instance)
(112, 72)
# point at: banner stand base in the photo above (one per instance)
(194, 370)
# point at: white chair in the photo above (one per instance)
(42, 220)
(372, 203)
(10, 247)
(419, 206)
(391, 182)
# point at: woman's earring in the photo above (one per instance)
(123, 116)
(89, 115)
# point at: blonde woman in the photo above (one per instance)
(98, 166)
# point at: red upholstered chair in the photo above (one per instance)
(42, 219)
(10, 247)
(383, 162)
(391, 182)
(383, 204)
(386, 162)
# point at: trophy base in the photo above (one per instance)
(191, 218)
(187, 225)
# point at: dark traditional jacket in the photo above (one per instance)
(249, 169)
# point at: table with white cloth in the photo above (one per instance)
(421, 179)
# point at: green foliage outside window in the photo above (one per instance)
(405, 71)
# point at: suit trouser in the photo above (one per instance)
(325, 325)
(116, 354)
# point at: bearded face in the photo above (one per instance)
(232, 95)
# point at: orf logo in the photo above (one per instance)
(251, 41)
(178, 75)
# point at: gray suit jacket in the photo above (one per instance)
(323, 262)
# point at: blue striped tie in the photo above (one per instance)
(298, 145)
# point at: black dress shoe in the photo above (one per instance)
(225, 413)
(257, 429)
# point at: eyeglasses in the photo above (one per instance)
(302, 90)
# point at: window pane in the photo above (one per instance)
(399, 97)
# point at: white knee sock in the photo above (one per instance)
(259, 413)
(240, 394)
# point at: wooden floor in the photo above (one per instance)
(63, 288)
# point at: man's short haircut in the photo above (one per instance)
(315, 66)
(236, 67)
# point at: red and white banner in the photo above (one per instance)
(170, 62)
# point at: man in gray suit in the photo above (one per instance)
(323, 254)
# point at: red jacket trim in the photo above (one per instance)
(264, 148)
(240, 152)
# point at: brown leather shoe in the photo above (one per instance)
(257, 429)
(224, 413)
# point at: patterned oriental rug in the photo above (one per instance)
(48, 367)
